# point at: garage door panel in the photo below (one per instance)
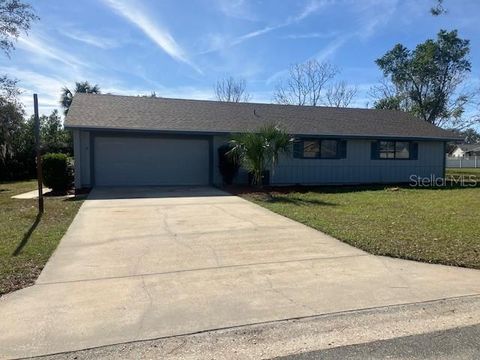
(151, 161)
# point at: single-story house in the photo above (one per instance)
(130, 141)
(466, 150)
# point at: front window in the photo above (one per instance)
(329, 149)
(387, 149)
(311, 149)
(402, 150)
(394, 150)
(318, 149)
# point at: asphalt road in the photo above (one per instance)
(459, 343)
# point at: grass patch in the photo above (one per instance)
(465, 172)
(430, 225)
(27, 241)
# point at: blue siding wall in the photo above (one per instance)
(81, 148)
(356, 168)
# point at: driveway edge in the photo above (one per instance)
(291, 336)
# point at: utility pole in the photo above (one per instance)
(39, 156)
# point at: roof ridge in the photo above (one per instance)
(146, 97)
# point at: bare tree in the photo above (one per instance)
(305, 83)
(231, 90)
(340, 94)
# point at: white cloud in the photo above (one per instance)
(237, 9)
(312, 7)
(159, 35)
(89, 39)
(328, 51)
(254, 34)
(275, 77)
(372, 15)
(48, 89)
(39, 47)
(311, 35)
(59, 68)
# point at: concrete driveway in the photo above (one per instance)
(142, 263)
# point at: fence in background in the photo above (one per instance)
(463, 162)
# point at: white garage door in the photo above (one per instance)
(129, 161)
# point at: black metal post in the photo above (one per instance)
(39, 156)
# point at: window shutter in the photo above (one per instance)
(374, 150)
(298, 149)
(413, 151)
(342, 149)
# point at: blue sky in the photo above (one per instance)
(179, 48)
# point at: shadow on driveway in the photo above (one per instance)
(139, 192)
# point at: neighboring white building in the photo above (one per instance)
(466, 150)
(131, 141)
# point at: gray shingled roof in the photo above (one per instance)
(179, 115)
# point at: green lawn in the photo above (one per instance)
(431, 225)
(26, 244)
(464, 172)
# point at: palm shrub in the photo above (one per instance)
(259, 151)
(57, 172)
